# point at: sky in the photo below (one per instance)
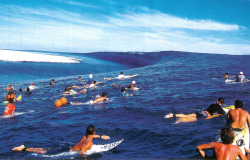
(82, 26)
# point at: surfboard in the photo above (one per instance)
(96, 148)
(226, 109)
(18, 98)
(234, 81)
(242, 139)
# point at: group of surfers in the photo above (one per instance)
(237, 119)
(240, 77)
(86, 142)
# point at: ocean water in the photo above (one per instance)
(176, 82)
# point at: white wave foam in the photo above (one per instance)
(22, 56)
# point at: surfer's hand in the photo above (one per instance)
(104, 137)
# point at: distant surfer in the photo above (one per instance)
(87, 141)
(240, 77)
(121, 76)
(82, 146)
(52, 82)
(10, 87)
(91, 79)
(224, 150)
(20, 90)
(101, 98)
(238, 118)
(226, 75)
(212, 109)
(28, 91)
(9, 108)
(123, 93)
(32, 86)
(80, 78)
(10, 95)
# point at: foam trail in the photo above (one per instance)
(21, 56)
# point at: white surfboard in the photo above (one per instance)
(242, 139)
(96, 148)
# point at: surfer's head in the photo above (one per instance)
(10, 91)
(123, 89)
(53, 80)
(220, 101)
(11, 100)
(90, 76)
(227, 135)
(238, 104)
(94, 82)
(121, 73)
(33, 84)
(90, 130)
(133, 82)
(241, 73)
(104, 94)
(20, 90)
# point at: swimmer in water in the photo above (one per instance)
(226, 75)
(32, 87)
(9, 108)
(20, 90)
(80, 78)
(224, 149)
(10, 95)
(28, 91)
(101, 99)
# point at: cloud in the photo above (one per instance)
(60, 30)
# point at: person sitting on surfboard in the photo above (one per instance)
(237, 118)
(240, 77)
(10, 95)
(9, 108)
(86, 142)
(224, 150)
(213, 108)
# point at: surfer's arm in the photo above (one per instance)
(203, 147)
(16, 98)
(248, 120)
(208, 113)
(104, 137)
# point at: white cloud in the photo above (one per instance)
(61, 30)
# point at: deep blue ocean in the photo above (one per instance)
(176, 82)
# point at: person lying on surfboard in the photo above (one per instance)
(212, 109)
(238, 118)
(10, 95)
(86, 142)
(8, 88)
(224, 150)
(101, 98)
(82, 146)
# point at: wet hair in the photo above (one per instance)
(94, 82)
(20, 90)
(123, 89)
(121, 72)
(227, 135)
(11, 100)
(226, 73)
(28, 89)
(10, 91)
(238, 104)
(221, 100)
(52, 80)
(90, 130)
(104, 94)
(66, 89)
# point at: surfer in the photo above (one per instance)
(10, 95)
(9, 108)
(131, 86)
(82, 146)
(87, 141)
(32, 86)
(80, 78)
(20, 90)
(8, 88)
(93, 84)
(28, 91)
(90, 80)
(101, 99)
(226, 75)
(52, 82)
(238, 118)
(240, 77)
(224, 150)
(212, 109)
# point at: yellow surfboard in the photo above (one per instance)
(242, 139)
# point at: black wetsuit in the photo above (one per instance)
(215, 109)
